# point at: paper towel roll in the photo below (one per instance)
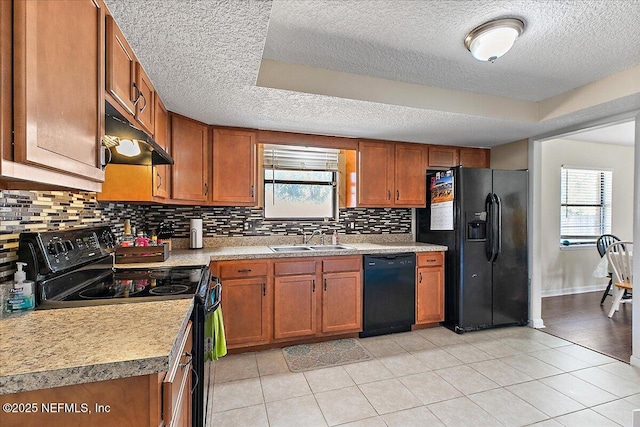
(195, 233)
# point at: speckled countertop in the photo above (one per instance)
(52, 348)
(185, 257)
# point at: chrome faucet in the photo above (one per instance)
(306, 239)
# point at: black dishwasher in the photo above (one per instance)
(389, 299)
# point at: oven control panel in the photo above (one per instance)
(69, 248)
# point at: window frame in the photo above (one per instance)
(334, 194)
(568, 240)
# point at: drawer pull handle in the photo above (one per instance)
(431, 260)
(245, 270)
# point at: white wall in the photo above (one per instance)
(570, 271)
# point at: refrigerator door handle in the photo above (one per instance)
(498, 227)
(489, 244)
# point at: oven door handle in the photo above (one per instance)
(212, 301)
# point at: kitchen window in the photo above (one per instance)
(585, 209)
(300, 182)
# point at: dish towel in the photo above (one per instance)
(215, 345)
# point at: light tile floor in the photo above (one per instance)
(433, 377)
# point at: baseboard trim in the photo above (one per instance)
(634, 361)
(537, 323)
(570, 291)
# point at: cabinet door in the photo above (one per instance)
(246, 308)
(234, 154)
(121, 68)
(162, 173)
(341, 302)
(145, 102)
(474, 157)
(58, 85)
(294, 306)
(190, 149)
(443, 156)
(410, 175)
(429, 294)
(375, 173)
(6, 82)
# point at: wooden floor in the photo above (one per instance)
(582, 320)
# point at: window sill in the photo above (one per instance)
(589, 246)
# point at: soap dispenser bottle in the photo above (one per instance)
(21, 295)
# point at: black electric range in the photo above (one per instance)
(74, 268)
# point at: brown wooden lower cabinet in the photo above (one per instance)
(430, 288)
(246, 302)
(342, 302)
(293, 299)
(294, 306)
(162, 399)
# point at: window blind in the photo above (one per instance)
(300, 158)
(585, 211)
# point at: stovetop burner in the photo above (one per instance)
(119, 289)
(169, 290)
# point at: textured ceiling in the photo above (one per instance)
(565, 44)
(204, 57)
(617, 134)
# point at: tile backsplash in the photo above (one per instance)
(54, 210)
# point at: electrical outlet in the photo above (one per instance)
(249, 226)
(352, 225)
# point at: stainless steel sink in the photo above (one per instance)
(330, 247)
(302, 248)
(290, 248)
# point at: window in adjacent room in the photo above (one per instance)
(300, 182)
(585, 208)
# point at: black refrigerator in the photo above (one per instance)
(481, 216)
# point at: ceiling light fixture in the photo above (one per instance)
(493, 39)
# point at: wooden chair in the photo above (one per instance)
(601, 244)
(620, 260)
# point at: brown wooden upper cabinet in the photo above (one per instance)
(445, 157)
(410, 175)
(391, 174)
(58, 101)
(448, 157)
(234, 167)
(190, 152)
(121, 68)
(146, 100)
(474, 157)
(126, 82)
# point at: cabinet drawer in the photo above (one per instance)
(430, 259)
(294, 267)
(337, 265)
(176, 380)
(235, 270)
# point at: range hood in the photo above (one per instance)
(129, 145)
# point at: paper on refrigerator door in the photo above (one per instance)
(441, 191)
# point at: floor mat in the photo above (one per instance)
(305, 357)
